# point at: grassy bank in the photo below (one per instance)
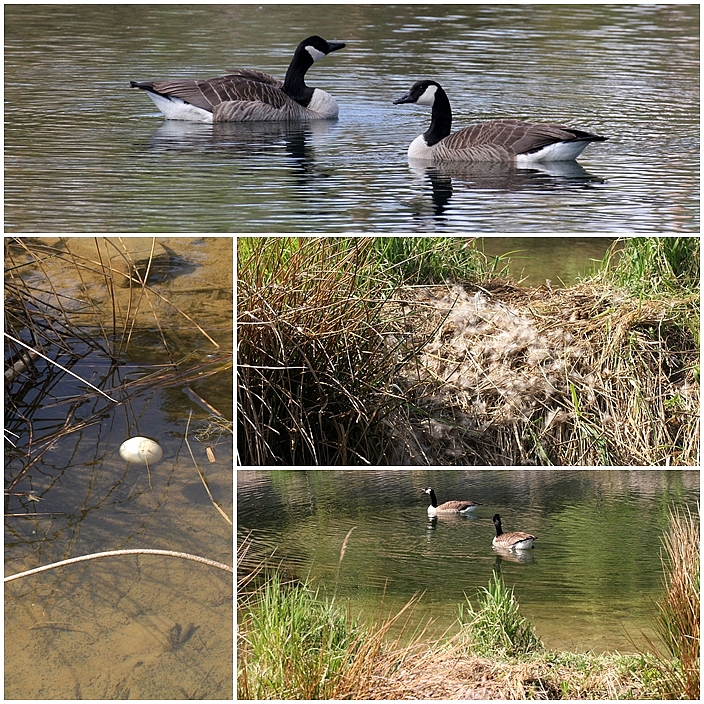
(294, 643)
(418, 351)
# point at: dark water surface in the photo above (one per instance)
(84, 152)
(590, 582)
(103, 629)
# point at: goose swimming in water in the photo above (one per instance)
(448, 506)
(511, 541)
(248, 95)
(496, 140)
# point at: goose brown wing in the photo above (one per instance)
(252, 75)
(456, 505)
(245, 85)
(511, 136)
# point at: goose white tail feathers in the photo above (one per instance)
(248, 95)
(510, 141)
(448, 506)
(511, 541)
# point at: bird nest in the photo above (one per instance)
(541, 376)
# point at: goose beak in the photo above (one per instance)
(405, 99)
(334, 46)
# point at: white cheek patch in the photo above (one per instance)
(428, 96)
(315, 53)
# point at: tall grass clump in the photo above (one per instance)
(295, 644)
(679, 608)
(422, 261)
(496, 626)
(312, 359)
(654, 266)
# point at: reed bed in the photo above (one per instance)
(316, 368)
(342, 361)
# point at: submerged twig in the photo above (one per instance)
(110, 553)
(200, 472)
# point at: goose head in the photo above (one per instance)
(421, 93)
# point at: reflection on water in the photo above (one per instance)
(89, 159)
(103, 629)
(500, 178)
(589, 582)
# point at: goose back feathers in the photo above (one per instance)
(448, 506)
(496, 140)
(517, 540)
(249, 95)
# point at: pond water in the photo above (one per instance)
(561, 260)
(83, 151)
(590, 582)
(139, 627)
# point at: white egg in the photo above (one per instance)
(141, 451)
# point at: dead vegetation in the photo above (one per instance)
(339, 365)
(578, 376)
(441, 674)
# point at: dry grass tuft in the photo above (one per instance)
(441, 672)
(679, 609)
(313, 372)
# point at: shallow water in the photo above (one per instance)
(104, 629)
(84, 152)
(590, 582)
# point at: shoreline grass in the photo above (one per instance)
(295, 644)
(415, 351)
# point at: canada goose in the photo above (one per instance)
(248, 95)
(448, 506)
(495, 140)
(511, 541)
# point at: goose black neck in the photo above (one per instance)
(499, 531)
(433, 499)
(294, 82)
(441, 118)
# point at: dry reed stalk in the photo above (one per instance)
(343, 549)
(63, 369)
(679, 608)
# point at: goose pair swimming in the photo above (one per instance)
(517, 540)
(255, 96)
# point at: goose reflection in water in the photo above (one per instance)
(558, 175)
(526, 557)
(264, 142)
